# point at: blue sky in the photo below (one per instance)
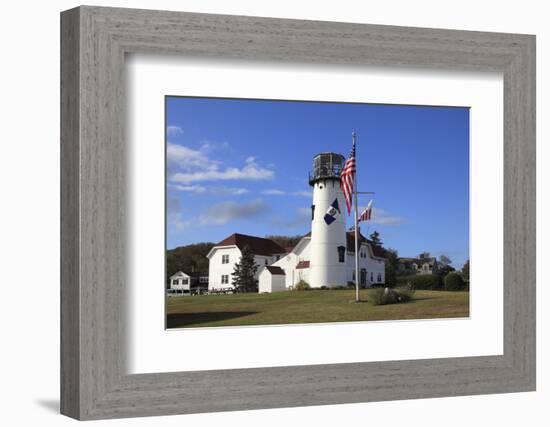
(242, 166)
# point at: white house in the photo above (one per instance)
(297, 265)
(223, 257)
(180, 283)
(288, 269)
(271, 279)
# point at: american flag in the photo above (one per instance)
(366, 215)
(347, 177)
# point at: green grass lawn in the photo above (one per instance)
(307, 307)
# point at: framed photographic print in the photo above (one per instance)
(288, 210)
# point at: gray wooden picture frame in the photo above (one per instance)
(94, 41)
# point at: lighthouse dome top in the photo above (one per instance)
(326, 166)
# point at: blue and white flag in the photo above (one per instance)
(332, 211)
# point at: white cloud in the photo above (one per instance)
(188, 166)
(224, 212)
(382, 217)
(304, 213)
(188, 159)
(209, 146)
(251, 171)
(302, 193)
(174, 215)
(174, 131)
(274, 192)
(218, 191)
(228, 191)
(189, 188)
(177, 223)
(301, 219)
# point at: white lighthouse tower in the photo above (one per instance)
(328, 225)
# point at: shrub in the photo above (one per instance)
(323, 288)
(405, 293)
(302, 285)
(379, 296)
(453, 282)
(383, 296)
(421, 281)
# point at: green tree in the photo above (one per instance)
(375, 239)
(444, 270)
(444, 260)
(391, 266)
(244, 271)
(466, 271)
(453, 282)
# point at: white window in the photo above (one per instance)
(379, 277)
(371, 277)
(225, 279)
(184, 281)
(266, 261)
(225, 259)
(175, 282)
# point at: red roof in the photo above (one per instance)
(303, 264)
(350, 243)
(275, 270)
(257, 245)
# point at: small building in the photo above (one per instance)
(180, 283)
(271, 279)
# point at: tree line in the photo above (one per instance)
(192, 259)
(392, 263)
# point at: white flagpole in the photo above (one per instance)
(356, 225)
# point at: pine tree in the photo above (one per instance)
(244, 271)
(444, 260)
(466, 271)
(391, 266)
(375, 239)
